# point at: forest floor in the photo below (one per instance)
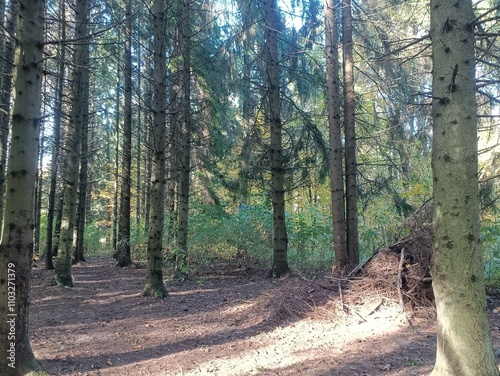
(226, 321)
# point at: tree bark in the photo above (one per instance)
(123, 256)
(335, 132)
(351, 165)
(464, 346)
(78, 254)
(73, 135)
(16, 245)
(154, 285)
(248, 39)
(116, 195)
(56, 140)
(185, 141)
(280, 238)
(5, 97)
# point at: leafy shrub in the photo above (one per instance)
(218, 234)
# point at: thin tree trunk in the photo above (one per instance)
(58, 109)
(147, 195)
(185, 140)
(464, 346)
(5, 97)
(57, 227)
(38, 194)
(73, 135)
(123, 256)
(82, 194)
(248, 38)
(16, 247)
(154, 285)
(138, 155)
(336, 172)
(114, 240)
(351, 165)
(173, 170)
(280, 238)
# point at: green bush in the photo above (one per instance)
(310, 240)
(218, 234)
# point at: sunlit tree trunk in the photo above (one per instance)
(6, 92)
(114, 236)
(16, 245)
(154, 285)
(280, 239)
(335, 130)
(464, 346)
(351, 165)
(185, 140)
(123, 256)
(72, 146)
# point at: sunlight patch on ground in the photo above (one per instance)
(288, 346)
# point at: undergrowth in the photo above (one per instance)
(244, 235)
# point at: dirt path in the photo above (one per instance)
(222, 323)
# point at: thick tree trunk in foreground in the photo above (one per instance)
(280, 239)
(464, 346)
(6, 92)
(336, 171)
(154, 285)
(16, 245)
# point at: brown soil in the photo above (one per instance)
(225, 321)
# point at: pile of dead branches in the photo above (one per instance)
(400, 272)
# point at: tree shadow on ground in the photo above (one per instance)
(223, 322)
(104, 322)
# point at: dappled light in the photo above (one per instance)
(215, 324)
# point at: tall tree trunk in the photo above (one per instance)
(114, 239)
(154, 278)
(148, 156)
(248, 38)
(72, 145)
(351, 165)
(147, 191)
(16, 245)
(56, 139)
(123, 256)
(464, 346)
(5, 97)
(38, 192)
(139, 130)
(185, 140)
(173, 170)
(335, 130)
(78, 254)
(280, 238)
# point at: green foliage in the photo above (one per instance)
(490, 237)
(97, 242)
(244, 233)
(310, 240)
